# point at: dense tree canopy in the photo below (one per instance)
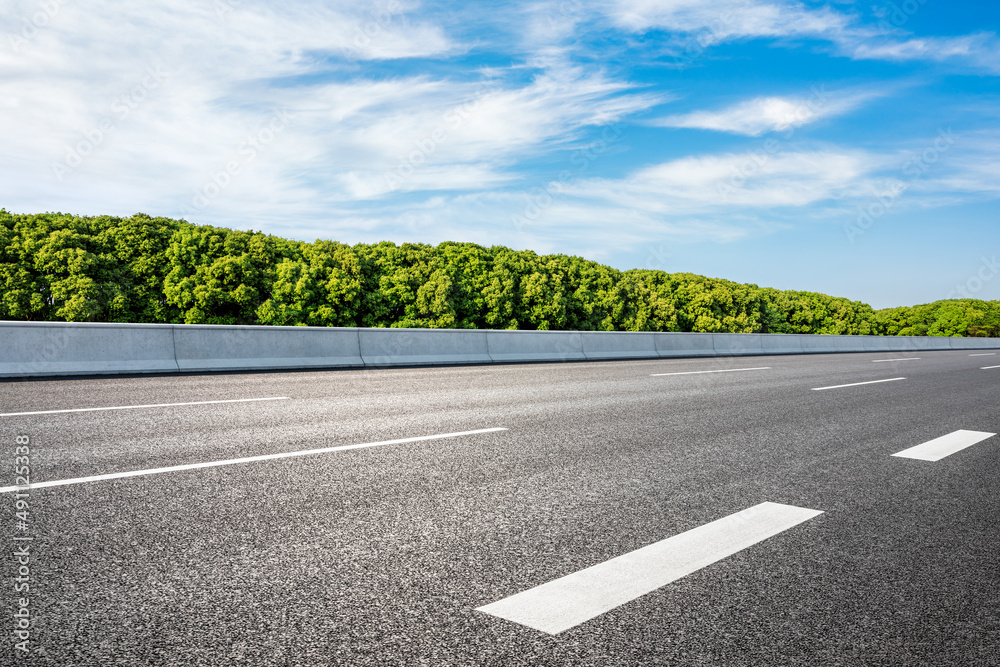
(142, 269)
(954, 317)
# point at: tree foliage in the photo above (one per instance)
(951, 317)
(141, 269)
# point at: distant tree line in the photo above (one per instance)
(955, 317)
(60, 267)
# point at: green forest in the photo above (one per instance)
(58, 267)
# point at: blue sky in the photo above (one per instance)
(843, 147)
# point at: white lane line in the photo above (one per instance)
(136, 407)
(246, 459)
(856, 384)
(568, 601)
(986, 368)
(946, 445)
(878, 361)
(984, 354)
(724, 370)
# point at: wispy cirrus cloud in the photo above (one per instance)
(727, 19)
(980, 50)
(97, 132)
(761, 115)
(732, 20)
(485, 125)
(703, 183)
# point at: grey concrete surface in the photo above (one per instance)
(40, 349)
(685, 345)
(879, 343)
(782, 343)
(202, 348)
(409, 347)
(508, 346)
(618, 345)
(54, 348)
(728, 344)
(821, 344)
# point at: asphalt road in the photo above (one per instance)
(382, 555)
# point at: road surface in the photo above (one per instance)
(731, 511)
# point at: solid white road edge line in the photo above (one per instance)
(724, 370)
(153, 405)
(568, 601)
(946, 445)
(246, 459)
(878, 361)
(856, 384)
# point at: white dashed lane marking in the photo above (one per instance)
(855, 384)
(246, 459)
(723, 370)
(946, 445)
(566, 602)
(137, 407)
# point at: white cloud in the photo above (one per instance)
(136, 106)
(167, 100)
(980, 50)
(167, 93)
(727, 19)
(770, 114)
(702, 184)
(710, 23)
(953, 168)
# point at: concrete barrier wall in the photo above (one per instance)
(876, 343)
(535, 345)
(936, 343)
(974, 343)
(782, 343)
(56, 348)
(903, 344)
(670, 344)
(618, 345)
(819, 344)
(414, 347)
(737, 345)
(215, 348)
